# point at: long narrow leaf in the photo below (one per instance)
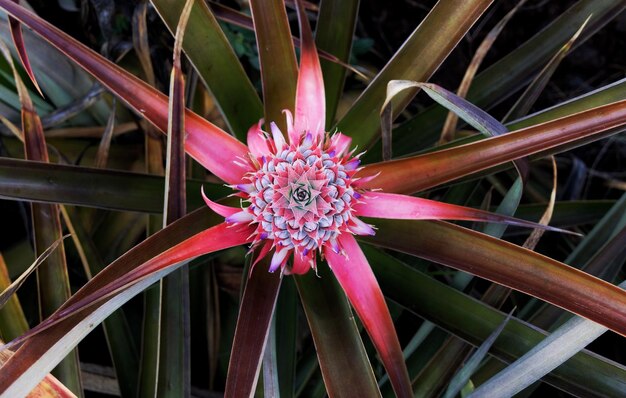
(208, 50)
(425, 171)
(356, 278)
(55, 183)
(470, 113)
(461, 378)
(343, 361)
(447, 132)
(53, 284)
(175, 349)
(473, 321)
(417, 59)
(208, 144)
(508, 265)
(502, 79)
(42, 345)
(561, 345)
(11, 289)
(277, 58)
(257, 308)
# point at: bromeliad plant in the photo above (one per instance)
(302, 194)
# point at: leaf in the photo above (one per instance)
(53, 285)
(424, 171)
(141, 262)
(501, 80)
(287, 337)
(473, 115)
(527, 99)
(216, 63)
(335, 39)
(205, 142)
(18, 41)
(11, 289)
(555, 349)
(447, 132)
(277, 58)
(174, 376)
(402, 207)
(508, 265)
(464, 375)
(13, 322)
(473, 321)
(120, 340)
(55, 183)
(356, 279)
(345, 367)
(255, 313)
(417, 59)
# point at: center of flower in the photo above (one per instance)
(301, 196)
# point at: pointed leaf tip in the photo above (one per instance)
(310, 97)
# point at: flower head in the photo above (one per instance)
(300, 195)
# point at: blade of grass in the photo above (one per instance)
(417, 59)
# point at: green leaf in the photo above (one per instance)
(287, 337)
(8, 292)
(508, 265)
(474, 321)
(417, 173)
(561, 345)
(344, 363)
(502, 79)
(417, 59)
(216, 63)
(55, 183)
(463, 377)
(255, 313)
(336, 39)
(277, 57)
